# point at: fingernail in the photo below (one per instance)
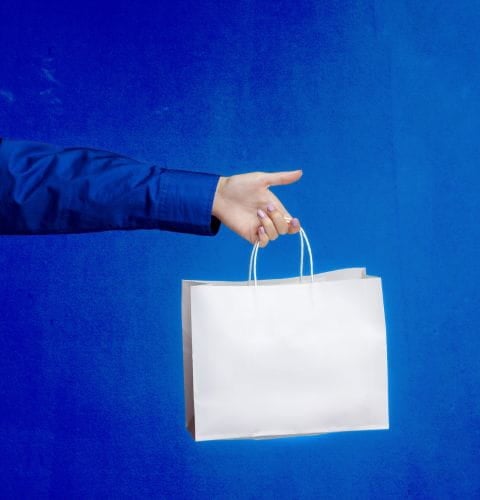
(271, 207)
(261, 213)
(295, 223)
(261, 230)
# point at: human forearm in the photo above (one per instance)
(50, 189)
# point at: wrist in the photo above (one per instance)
(218, 200)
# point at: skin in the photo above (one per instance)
(245, 204)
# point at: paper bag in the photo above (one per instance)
(295, 356)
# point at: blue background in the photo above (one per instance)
(378, 102)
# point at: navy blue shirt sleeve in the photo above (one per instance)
(46, 189)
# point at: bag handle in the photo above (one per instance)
(303, 239)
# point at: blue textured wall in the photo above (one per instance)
(378, 102)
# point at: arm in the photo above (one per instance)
(47, 189)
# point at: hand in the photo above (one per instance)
(245, 204)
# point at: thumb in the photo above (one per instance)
(282, 178)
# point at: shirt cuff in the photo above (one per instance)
(187, 201)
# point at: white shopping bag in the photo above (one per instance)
(265, 358)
